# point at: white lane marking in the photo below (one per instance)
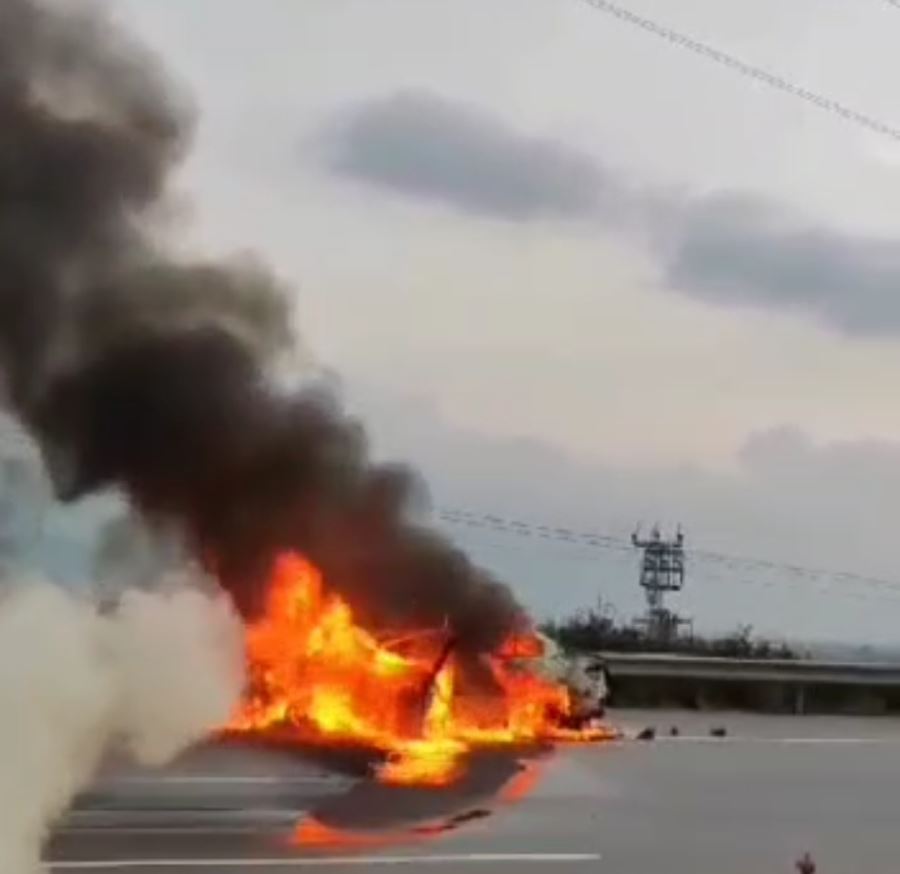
(703, 738)
(329, 861)
(190, 778)
(218, 813)
(161, 821)
(176, 830)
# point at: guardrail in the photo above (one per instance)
(763, 684)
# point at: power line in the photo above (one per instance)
(472, 519)
(828, 586)
(564, 553)
(757, 73)
(573, 538)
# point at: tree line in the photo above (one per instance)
(595, 629)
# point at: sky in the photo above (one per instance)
(578, 275)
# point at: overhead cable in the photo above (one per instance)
(773, 80)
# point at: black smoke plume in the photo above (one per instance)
(135, 368)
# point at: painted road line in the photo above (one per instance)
(215, 781)
(812, 741)
(330, 861)
(175, 821)
(140, 831)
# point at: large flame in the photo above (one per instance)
(319, 675)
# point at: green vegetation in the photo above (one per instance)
(596, 629)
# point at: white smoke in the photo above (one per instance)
(154, 674)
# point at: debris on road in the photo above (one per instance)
(805, 864)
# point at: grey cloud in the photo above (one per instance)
(421, 145)
(746, 251)
(732, 250)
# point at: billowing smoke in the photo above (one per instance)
(136, 368)
(153, 675)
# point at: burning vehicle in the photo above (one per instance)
(584, 678)
(318, 678)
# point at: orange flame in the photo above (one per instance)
(313, 833)
(316, 673)
(522, 784)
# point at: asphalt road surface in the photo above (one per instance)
(749, 803)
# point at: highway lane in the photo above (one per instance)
(749, 803)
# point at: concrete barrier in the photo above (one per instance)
(654, 679)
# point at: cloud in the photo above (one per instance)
(746, 251)
(425, 146)
(727, 249)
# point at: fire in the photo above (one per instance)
(317, 674)
(313, 833)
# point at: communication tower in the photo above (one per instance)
(661, 571)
